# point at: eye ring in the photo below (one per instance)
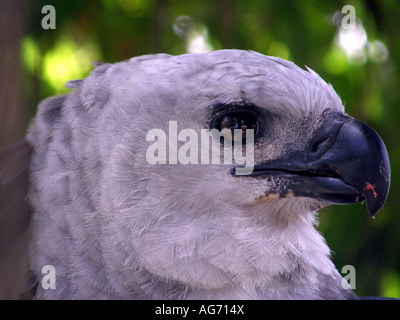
(236, 121)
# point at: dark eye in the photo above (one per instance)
(238, 120)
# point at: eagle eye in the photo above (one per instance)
(238, 121)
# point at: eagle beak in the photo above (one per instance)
(346, 162)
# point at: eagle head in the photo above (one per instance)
(156, 209)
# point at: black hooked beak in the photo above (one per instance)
(346, 162)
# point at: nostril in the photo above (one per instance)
(319, 144)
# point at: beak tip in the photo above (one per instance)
(374, 199)
(373, 180)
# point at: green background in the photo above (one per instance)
(36, 63)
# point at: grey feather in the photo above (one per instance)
(74, 84)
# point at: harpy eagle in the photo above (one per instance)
(113, 225)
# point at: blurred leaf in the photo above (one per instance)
(390, 285)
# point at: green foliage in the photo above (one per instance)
(302, 31)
